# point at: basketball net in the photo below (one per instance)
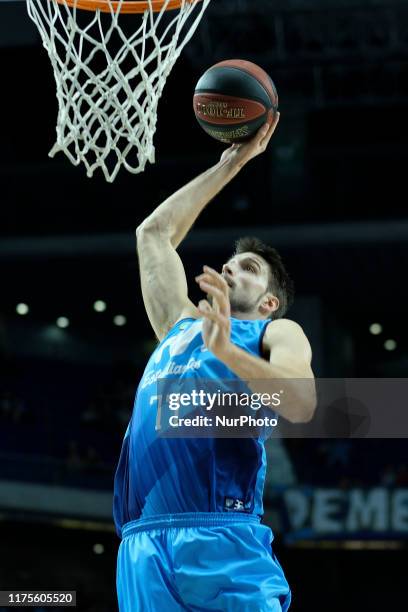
(108, 82)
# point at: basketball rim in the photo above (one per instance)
(126, 6)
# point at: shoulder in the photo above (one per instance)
(283, 326)
(285, 333)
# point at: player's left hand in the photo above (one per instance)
(216, 316)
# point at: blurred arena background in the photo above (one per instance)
(330, 193)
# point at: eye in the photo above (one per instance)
(250, 268)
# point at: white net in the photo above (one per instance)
(110, 70)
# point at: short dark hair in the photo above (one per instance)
(280, 283)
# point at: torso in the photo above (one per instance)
(158, 475)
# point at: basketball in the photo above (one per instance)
(233, 99)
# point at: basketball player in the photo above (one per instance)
(188, 509)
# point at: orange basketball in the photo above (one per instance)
(233, 99)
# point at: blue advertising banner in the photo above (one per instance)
(316, 513)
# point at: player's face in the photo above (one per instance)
(247, 275)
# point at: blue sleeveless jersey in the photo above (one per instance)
(157, 475)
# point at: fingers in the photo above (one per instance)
(273, 125)
(271, 128)
(244, 151)
(215, 285)
(259, 142)
(204, 306)
(212, 278)
(266, 131)
(261, 134)
(275, 120)
(217, 295)
(207, 312)
(211, 275)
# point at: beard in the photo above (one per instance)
(243, 304)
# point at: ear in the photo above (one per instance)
(269, 304)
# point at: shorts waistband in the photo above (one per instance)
(188, 519)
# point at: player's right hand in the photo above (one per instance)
(241, 153)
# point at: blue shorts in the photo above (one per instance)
(198, 562)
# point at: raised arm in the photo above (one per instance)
(163, 279)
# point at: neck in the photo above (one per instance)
(246, 316)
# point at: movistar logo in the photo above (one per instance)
(178, 343)
(172, 367)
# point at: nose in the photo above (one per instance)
(226, 268)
